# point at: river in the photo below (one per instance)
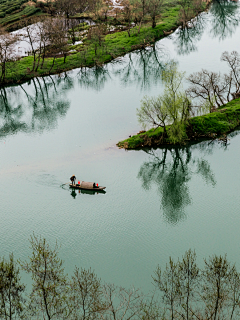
(158, 203)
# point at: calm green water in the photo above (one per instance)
(158, 203)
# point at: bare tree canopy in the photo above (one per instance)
(213, 89)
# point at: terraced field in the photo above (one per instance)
(15, 10)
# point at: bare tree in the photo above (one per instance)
(31, 37)
(96, 35)
(188, 9)
(139, 11)
(49, 283)
(73, 23)
(67, 7)
(11, 290)
(128, 15)
(210, 88)
(168, 283)
(233, 61)
(234, 283)
(7, 52)
(188, 283)
(154, 8)
(57, 38)
(70, 8)
(216, 276)
(87, 296)
(121, 304)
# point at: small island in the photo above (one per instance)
(208, 108)
(209, 126)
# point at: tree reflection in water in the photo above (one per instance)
(143, 67)
(185, 39)
(33, 109)
(171, 169)
(94, 78)
(225, 20)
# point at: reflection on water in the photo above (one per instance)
(74, 192)
(186, 39)
(223, 18)
(40, 105)
(171, 169)
(35, 108)
(94, 78)
(143, 67)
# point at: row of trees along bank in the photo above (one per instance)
(182, 290)
(173, 111)
(117, 31)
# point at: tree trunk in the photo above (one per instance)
(153, 22)
(52, 64)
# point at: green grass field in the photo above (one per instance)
(92, 53)
(114, 45)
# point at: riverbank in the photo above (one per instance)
(209, 126)
(95, 52)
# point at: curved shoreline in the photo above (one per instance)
(117, 44)
(209, 126)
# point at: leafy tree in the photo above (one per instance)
(153, 112)
(173, 107)
(11, 290)
(49, 283)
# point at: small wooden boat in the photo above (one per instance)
(87, 186)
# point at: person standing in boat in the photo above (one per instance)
(73, 179)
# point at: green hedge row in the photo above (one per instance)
(28, 11)
(8, 7)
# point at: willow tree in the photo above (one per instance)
(172, 108)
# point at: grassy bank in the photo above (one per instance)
(94, 52)
(208, 126)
